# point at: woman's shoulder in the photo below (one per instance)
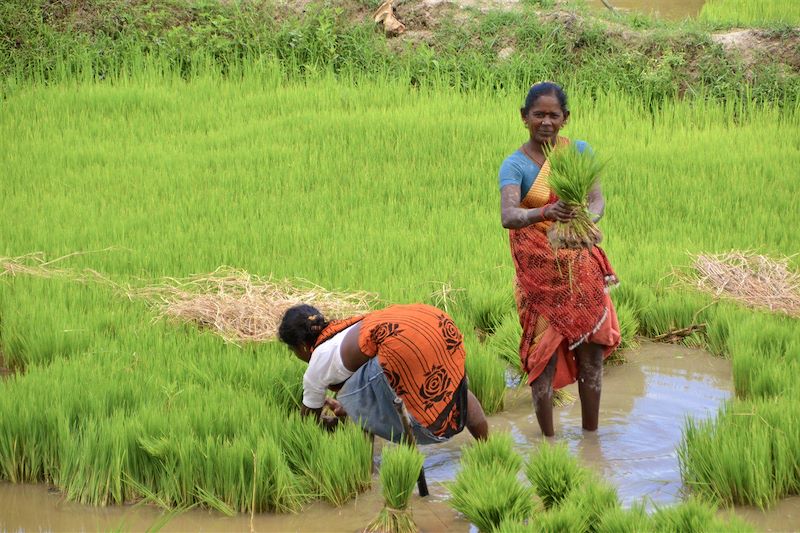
(582, 146)
(516, 157)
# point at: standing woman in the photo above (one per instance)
(568, 321)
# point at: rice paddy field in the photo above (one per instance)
(353, 183)
(749, 13)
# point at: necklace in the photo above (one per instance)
(529, 153)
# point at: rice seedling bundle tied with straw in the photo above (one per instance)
(400, 467)
(572, 175)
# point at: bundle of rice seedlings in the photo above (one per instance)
(695, 516)
(554, 473)
(488, 495)
(400, 467)
(619, 520)
(566, 518)
(594, 499)
(504, 342)
(562, 398)
(497, 450)
(572, 176)
(486, 376)
(516, 526)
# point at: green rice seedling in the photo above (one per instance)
(516, 526)
(573, 174)
(486, 374)
(562, 397)
(628, 329)
(504, 342)
(750, 13)
(343, 464)
(400, 468)
(564, 518)
(619, 520)
(488, 495)
(695, 516)
(675, 312)
(746, 456)
(497, 451)
(489, 308)
(594, 499)
(183, 392)
(554, 473)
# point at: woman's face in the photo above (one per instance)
(544, 119)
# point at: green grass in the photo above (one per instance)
(751, 12)
(346, 183)
(496, 451)
(554, 473)
(488, 495)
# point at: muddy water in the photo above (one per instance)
(668, 9)
(643, 408)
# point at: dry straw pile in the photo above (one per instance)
(242, 307)
(239, 306)
(754, 280)
(36, 264)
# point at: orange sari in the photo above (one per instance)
(562, 298)
(422, 355)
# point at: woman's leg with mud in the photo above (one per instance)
(542, 393)
(590, 382)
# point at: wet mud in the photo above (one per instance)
(643, 408)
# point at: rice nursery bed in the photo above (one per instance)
(751, 13)
(356, 186)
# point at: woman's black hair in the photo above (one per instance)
(545, 88)
(301, 324)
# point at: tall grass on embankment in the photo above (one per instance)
(751, 12)
(473, 50)
(355, 185)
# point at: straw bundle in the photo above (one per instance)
(749, 278)
(36, 264)
(243, 307)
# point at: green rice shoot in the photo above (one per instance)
(400, 468)
(573, 174)
(497, 450)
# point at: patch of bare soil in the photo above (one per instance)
(754, 45)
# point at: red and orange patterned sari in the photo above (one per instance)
(422, 355)
(562, 298)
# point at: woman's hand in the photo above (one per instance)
(559, 212)
(329, 422)
(336, 407)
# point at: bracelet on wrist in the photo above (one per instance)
(543, 212)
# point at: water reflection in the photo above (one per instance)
(643, 409)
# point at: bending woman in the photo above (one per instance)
(568, 321)
(414, 352)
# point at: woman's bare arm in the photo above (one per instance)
(597, 204)
(476, 419)
(352, 358)
(512, 215)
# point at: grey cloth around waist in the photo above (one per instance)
(369, 400)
